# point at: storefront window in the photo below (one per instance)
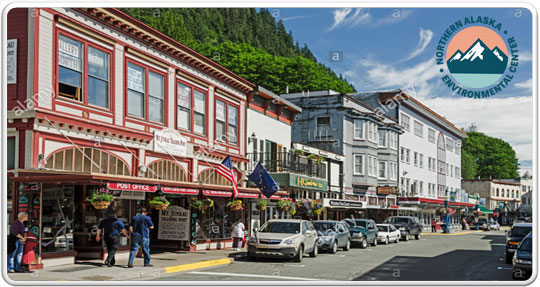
(217, 221)
(57, 218)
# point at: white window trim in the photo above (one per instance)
(385, 138)
(372, 172)
(393, 170)
(363, 130)
(363, 171)
(385, 169)
(421, 135)
(416, 157)
(408, 127)
(434, 135)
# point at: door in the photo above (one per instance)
(342, 235)
(310, 234)
(372, 231)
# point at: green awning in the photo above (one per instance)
(485, 210)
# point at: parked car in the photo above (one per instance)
(521, 220)
(388, 233)
(514, 237)
(363, 231)
(286, 238)
(483, 224)
(407, 226)
(494, 225)
(522, 260)
(332, 235)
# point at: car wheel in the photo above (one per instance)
(397, 239)
(417, 236)
(347, 246)
(406, 237)
(299, 255)
(315, 251)
(333, 250)
(363, 244)
(374, 242)
(386, 241)
(508, 258)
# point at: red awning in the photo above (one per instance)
(179, 190)
(248, 195)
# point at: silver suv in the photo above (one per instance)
(285, 238)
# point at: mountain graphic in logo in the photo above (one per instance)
(478, 59)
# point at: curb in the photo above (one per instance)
(451, 234)
(197, 265)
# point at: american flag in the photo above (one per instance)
(226, 169)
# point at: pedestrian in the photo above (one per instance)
(28, 250)
(111, 226)
(17, 239)
(140, 231)
(433, 225)
(237, 233)
(463, 223)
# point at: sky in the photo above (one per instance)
(382, 49)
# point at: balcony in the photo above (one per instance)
(288, 162)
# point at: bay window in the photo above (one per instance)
(358, 129)
(382, 169)
(358, 164)
(145, 88)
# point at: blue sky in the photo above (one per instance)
(395, 48)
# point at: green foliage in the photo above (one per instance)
(261, 202)
(247, 42)
(158, 200)
(486, 157)
(100, 196)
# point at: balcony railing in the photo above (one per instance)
(288, 162)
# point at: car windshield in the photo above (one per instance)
(526, 245)
(281, 227)
(325, 226)
(397, 220)
(520, 231)
(382, 228)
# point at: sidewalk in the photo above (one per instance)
(163, 263)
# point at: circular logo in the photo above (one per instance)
(477, 57)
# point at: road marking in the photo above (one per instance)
(254, 276)
(197, 265)
(507, 268)
(337, 255)
(291, 265)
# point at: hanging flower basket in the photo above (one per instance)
(201, 204)
(285, 204)
(159, 203)
(101, 204)
(261, 204)
(100, 199)
(235, 205)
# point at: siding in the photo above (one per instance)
(17, 28)
(45, 89)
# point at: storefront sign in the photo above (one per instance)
(170, 141)
(12, 61)
(340, 203)
(174, 223)
(217, 193)
(131, 187)
(248, 195)
(130, 194)
(275, 197)
(309, 183)
(179, 190)
(386, 190)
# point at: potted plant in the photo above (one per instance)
(292, 211)
(316, 207)
(159, 203)
(320, 159)
(284, 204)
(299, 152)
(196, 204)
(261, 204)
(235, 204)
(100, 199)
(311, 156)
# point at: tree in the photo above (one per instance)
(488, 157)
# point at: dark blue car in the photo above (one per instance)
(332, 235)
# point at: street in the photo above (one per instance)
(437, 257)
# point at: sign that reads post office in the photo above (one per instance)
(170, 141)
(174, 223)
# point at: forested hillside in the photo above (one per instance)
(248, 42)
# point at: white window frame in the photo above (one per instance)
(393, 142)
(405, 122)
(385, 163)
(386, 133)
(430, 133)
(408, 156)
(393, 170)
(373, 133)
(418, 129)
(415, 158)
(421, 160)
(362, 172)
(449, 144)
(355, 122)
(372, 166)
(402, 154)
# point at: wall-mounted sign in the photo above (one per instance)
(217, 193)
(131, 187)
(174, 223)
(340, 203)
(386, 190)
(180, 190)
(170, 141)
(12, 61)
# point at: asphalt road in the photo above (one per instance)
(476, 256)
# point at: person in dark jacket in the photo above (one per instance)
(112, 227)
(17, 234)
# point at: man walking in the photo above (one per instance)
(17, 238)
(140, 229)
(112, 226)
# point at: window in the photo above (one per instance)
(382, 169)
(232, 118)
(183, 107)
(323, 126)
(143, 83)
(358, 164)
(406, 122)
(226, 122)
(418, 129)
(73, 77)
(421, 160)
(402, 153)
(11, 153)
(458, 147)
(449, 144)
(415, 159)
(421, 187)
(372, 166)
(358, 129)
(221, 121)
(431, 135)
(451, 171)
(382, 138)
(199, 111)
(98, 78)
(392, 140)
(498, 194)
(393, 170)
(513, 193)
(372, 132)
(408, 157)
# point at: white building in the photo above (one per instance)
(429, 153)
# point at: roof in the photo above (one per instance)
(276, 99)
(498, 181)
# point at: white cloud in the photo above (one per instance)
(295, 18)
(510, 119)
(526, 85)
(425, 37)
(525, 56)
(349, 17)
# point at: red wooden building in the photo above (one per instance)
(100, 101)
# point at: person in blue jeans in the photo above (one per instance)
(140, 236)
(17, 234)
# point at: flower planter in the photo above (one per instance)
(101, 204)
(261, 207)
(285, 208)
(162, 206)
(236, 208)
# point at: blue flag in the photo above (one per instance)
(263, 181)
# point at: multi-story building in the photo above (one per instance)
(344, 125)
(429, 152)
(526, 195)
(502, 197)
(99, 102)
